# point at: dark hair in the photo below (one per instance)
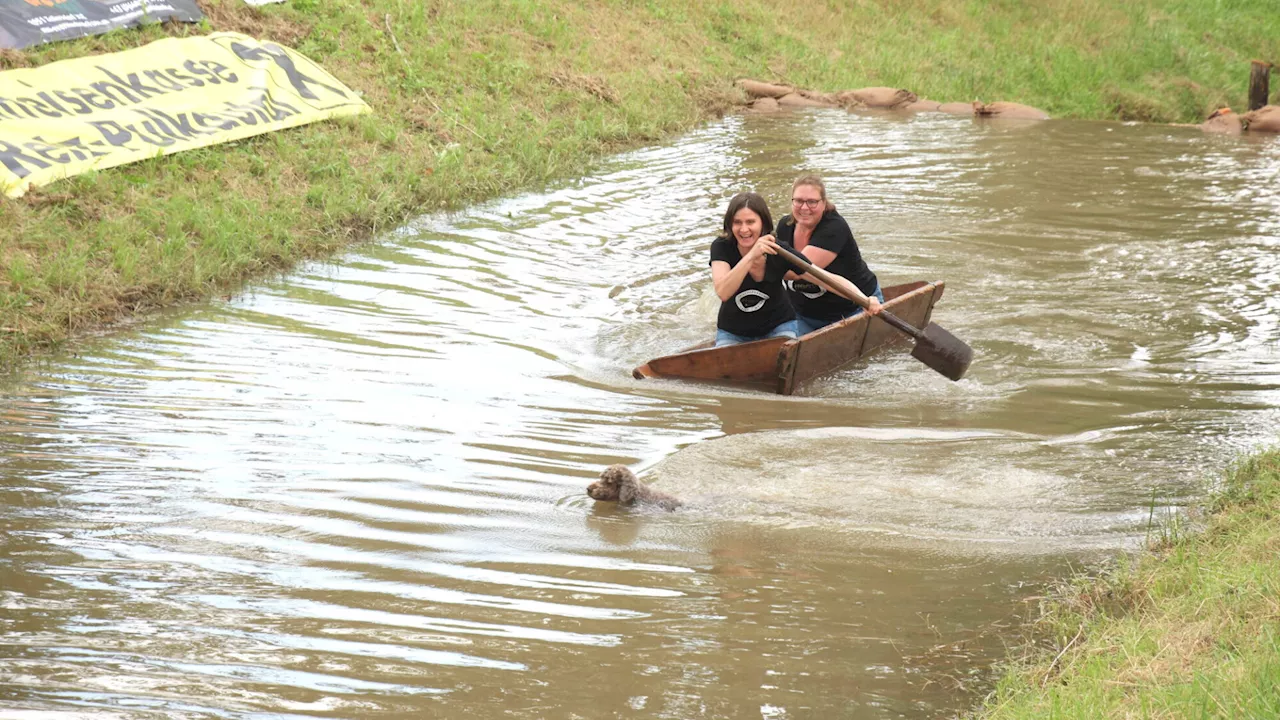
(754, 203)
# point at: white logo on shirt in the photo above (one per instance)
(747, 295)
(791, 285)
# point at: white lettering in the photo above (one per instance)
(807, 289)
(741, 300)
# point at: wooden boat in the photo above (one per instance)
(786, 364)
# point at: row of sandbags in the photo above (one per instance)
(1264, 119)
(767, 97)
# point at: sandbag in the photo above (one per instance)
(877, 97)
(825, 98)
(1009, 110)
(764, 104)
(757, 89)
(1223, 122)
(956, 108)
(923, 105)
(1264, 119)
(798, 100)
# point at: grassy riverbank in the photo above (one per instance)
(1189, 631)
(474, 99)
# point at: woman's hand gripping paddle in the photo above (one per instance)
(935, 347)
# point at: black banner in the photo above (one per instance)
(24, 23)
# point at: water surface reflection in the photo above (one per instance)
(357, 491)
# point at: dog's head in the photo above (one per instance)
(617, 482)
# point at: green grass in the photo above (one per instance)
(475, 99)
(1191, 630)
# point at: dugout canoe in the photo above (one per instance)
(785, 364)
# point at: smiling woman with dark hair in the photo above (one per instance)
(747, 272)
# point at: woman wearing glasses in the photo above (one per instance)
(747, 273)
(817, 231)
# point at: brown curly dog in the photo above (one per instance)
(617, 482)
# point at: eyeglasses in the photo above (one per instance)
(805, 203)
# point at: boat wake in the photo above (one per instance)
(965, 490)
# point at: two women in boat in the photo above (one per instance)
(748, 272)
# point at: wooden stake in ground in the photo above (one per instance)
(1259, 81)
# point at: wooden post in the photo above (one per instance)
(1259, 81)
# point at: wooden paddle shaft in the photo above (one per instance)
(803, 265)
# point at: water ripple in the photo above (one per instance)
(357, 491)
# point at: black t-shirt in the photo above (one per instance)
(757, 307)
(832, 233)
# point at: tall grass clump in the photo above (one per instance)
(1190, 629)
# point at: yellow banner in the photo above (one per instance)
(165, 97)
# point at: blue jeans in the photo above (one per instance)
(787, 329)
(808, 324)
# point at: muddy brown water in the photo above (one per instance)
(356, 491)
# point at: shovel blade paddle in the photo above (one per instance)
(942, 351)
